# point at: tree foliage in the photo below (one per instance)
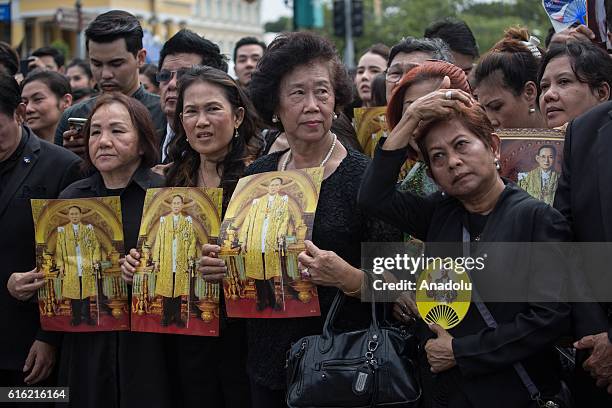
(402, 18)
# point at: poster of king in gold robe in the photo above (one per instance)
(168, 295)
(370, 126)
(266, 222)
(78, 246)
(532, 158)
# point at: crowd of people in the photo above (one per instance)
(186, 122)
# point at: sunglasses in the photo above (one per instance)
(166, 76)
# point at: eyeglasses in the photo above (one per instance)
(397, 71)
(166, 76)
(394, 73)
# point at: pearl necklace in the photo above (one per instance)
(325, 159)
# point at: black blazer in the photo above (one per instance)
(42, 172)
(527, 331)
(584, 191)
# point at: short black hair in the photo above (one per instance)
(590, 63)
(75, 206)
(548, 146)
(11, 96)
(248, 41)
(77, 62)
(456, 33)
(113, 25)
(57, 83)
(186, 41)
(284, 54)
(57, 55)
(435, 46)
(9, 58)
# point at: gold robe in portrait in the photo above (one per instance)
(258, 238)
(532, 183)
(67, 259)
(184, 250)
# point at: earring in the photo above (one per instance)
(335, 116)
(274, 119)
(531, 110)
(236, 134)
(497, 165)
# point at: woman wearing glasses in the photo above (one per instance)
(216, 138)
(409, 53)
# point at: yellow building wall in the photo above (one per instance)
(38, 5)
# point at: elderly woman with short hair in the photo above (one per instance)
(298, 87)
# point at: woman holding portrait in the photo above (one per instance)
(120, 148)
(474, 362)
(217, 137)
(298, 87)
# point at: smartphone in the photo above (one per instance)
(77, 123)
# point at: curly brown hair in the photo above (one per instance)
(284, 54)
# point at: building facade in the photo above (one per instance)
(34, 23)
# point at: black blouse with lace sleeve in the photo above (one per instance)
(339, 226)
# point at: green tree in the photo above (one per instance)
(280, 25)
(402, 18)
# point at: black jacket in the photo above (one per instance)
(42, 171)
(584, 191)
(584, 197)
(527, 331)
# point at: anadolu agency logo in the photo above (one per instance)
(444, 294)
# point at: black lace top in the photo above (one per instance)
(339, 226)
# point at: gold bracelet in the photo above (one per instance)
(358, 290)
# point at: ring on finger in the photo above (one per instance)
(306, 273)
(448, 95)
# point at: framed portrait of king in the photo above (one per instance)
(266, 222)
(78, 246)
(168, 295)
(532, 158)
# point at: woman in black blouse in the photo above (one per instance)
(473, 362)
(120, 148)
(298, 86)
(216, 138)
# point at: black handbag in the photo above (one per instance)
(365, 368)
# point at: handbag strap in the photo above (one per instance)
(534, 393)
(327, 337)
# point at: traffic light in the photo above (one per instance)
(357, 17)
(339, 21)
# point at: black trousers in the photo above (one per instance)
(266, 295)
(80, 307)
(171, 309)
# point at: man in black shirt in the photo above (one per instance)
(114, 43)
(29, 168)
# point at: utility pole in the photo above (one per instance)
(80, 40)
(349, 46)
